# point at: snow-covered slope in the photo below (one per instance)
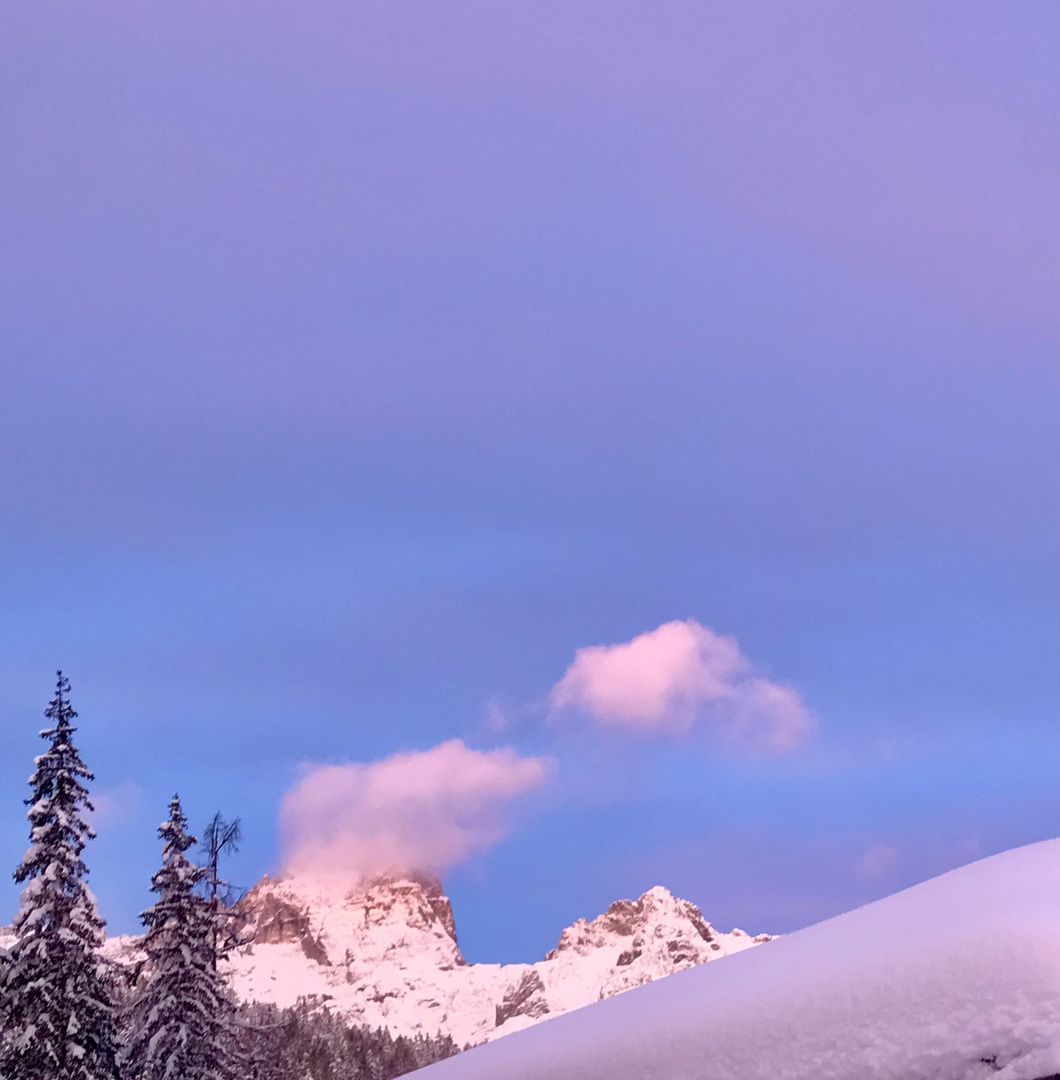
(954, 979)
(385, 953)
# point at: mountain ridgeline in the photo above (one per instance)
(384, 953)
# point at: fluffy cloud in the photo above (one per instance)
(420, 811)
(679, 674)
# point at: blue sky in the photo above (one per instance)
(362, 362)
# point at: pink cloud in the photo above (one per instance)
(678, 675)
(419, 811)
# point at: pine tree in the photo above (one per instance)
(308, 1042)
(59, 1015)
(179, 1023)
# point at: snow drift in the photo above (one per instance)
(955, 979)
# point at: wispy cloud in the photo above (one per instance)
(118, 805)
(680, 674)
(498, 716)
(877, 861)
(418, 811)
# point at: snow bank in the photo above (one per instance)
(955, 979)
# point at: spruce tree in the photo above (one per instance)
(59, 1016)
(179, 1024)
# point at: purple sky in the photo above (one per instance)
(362, 362)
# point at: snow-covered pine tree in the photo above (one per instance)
(179, 1023)
(58, 1013)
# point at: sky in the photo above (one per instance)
(577, 445)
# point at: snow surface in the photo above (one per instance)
(954, 979)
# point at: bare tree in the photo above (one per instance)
(220, 837)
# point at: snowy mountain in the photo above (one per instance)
(954, 979)
(386, 953)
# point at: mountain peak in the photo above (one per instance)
(656, 916)
(331, 917)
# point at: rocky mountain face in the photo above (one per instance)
(385, 953)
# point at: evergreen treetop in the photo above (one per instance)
(57, 895)
(179, 1021)
(59, 1016)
